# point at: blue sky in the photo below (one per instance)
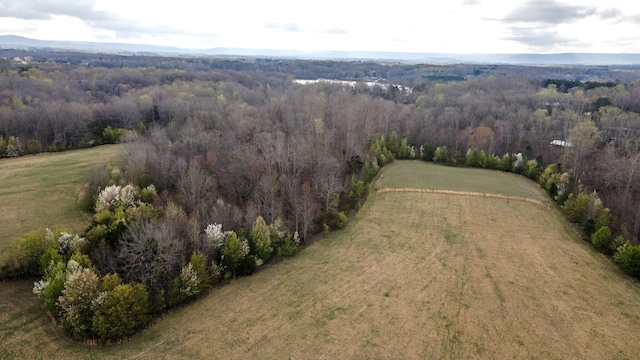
(460, 26)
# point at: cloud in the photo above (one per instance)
(610, 14)
(470, 2)
(293, 27)
(83, 10)
(46, 9)
(538, 37)
(618, 17)
(548, 12)
(634, 19)
(335, 30)
(289, 27)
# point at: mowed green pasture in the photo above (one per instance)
(413, 276)
(405, 174)
(41, 190)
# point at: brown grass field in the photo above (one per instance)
(415, 275)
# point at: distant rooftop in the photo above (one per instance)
(560, 143)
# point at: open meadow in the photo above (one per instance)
(414, 275)
(41, 190)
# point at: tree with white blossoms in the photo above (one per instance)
(518, 164)
(50, 287)
(189, 281)
(114, 196)
(215, 235)
(68, 244)
(76, 314)
(185, 286)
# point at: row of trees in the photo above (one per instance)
(584, 208)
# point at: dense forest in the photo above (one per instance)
(235, 144)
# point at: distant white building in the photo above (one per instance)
(353, 84)
(560, 143)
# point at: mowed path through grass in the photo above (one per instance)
(41, 190)
(414, 275)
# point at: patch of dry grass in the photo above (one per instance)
(414, 275)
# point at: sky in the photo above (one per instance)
(427, 26)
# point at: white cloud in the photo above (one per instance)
(449, 27)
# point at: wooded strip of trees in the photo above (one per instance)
(257, 126)
(237, 117)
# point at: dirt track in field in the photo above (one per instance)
(463, 193)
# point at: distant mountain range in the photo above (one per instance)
(18, 42)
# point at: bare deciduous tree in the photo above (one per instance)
(151, 253)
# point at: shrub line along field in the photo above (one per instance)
(413, 275)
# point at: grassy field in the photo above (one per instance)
(404, 174)
(42, 190)
(414, 275)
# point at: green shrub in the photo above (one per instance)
(427, 152)
(601, 239)
(84, 261)
(628, 257)
(184, 287)
(356, 189)
(279, 233)
(603, 218)
(549, 177)
(261, 237)
(341, 222)
(586, 210)
(122, 312)
(147, 194)
(475, 158)
(33, 147)
(576, 207)
(115, 224)
(86, 202)
(109, 282)
(29, 249)
(49, 259)
(290, 246)
(55, 279)
(616, 243)
(392, 144)
(531, 169)
(199, 263)
(233, 252)
(404, 152)
(111, 135)
(506, 163)
(441, 154)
